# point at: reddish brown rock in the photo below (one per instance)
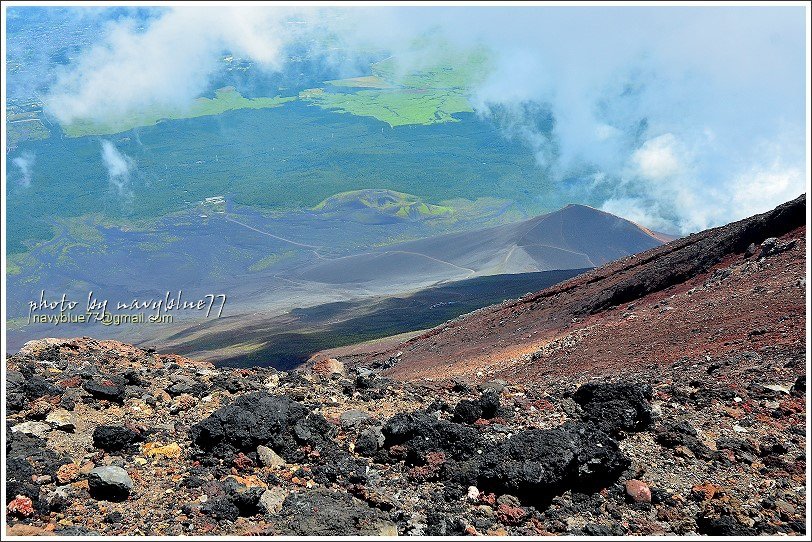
(638, 491)
(705, 492)
(21, 506)
(329, 366)
(67, 473)
(243, 462)
(511, 515)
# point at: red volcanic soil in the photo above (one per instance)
(714, 294)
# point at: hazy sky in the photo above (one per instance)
(685, 117)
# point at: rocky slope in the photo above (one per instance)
(722, 292)
(105, 438)
(684, 414)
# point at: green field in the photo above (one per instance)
(270, 260)
(459, 70)
(225, 99)
(401, 95)
(398, 107)
(394, 92)
(25, 127)
(378, 204)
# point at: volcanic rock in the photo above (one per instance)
(37, 429)
(271, 500)
(322, 512)
(616, 407)
(420, 432)
(352, 419)
(109, 483)
(638, 491)
(329, 366)
(537, 464)
(114, 438)
(262, 419)
(269, 458)
(61, 419)
(110, 388)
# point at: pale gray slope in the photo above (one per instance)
(574, 237)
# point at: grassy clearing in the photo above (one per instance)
(83, 231)
(80, 233)
(225, 99)
(399, 107)
(453, 70)
(385, 202)
(400, 92)
(25, 127)
(367, 81)
(17, 262)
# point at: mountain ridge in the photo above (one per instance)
(573, 237)
(680, 412)
(567, 309)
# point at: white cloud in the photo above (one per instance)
(657, 158)
(759, 189)
(118, 165)
(168, 64)
(638, 211)
(604, 132)
(683, 202)
(25, 163)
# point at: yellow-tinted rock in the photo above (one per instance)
(153, 449)
(248, 481)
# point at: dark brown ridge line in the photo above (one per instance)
(774, 223)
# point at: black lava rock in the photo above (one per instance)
(114, 438)
(681, 434)
(799, 387)
(536, 465)
(467, 411)
(221, 509)
(192, 481)
(36, 386)
(134, 378)
(183, 384)
(229, 383)
(340, 466)
(489, 401)
(15, 402)
(616, 407)
(321, 512)
(260, 418)
(660, 496)
(26, 456)
(246, 499)
(231, 499)
(722, 526)
(743, 450)
(420, 432)
(110, 388)
(369, 441)
(113, 517)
